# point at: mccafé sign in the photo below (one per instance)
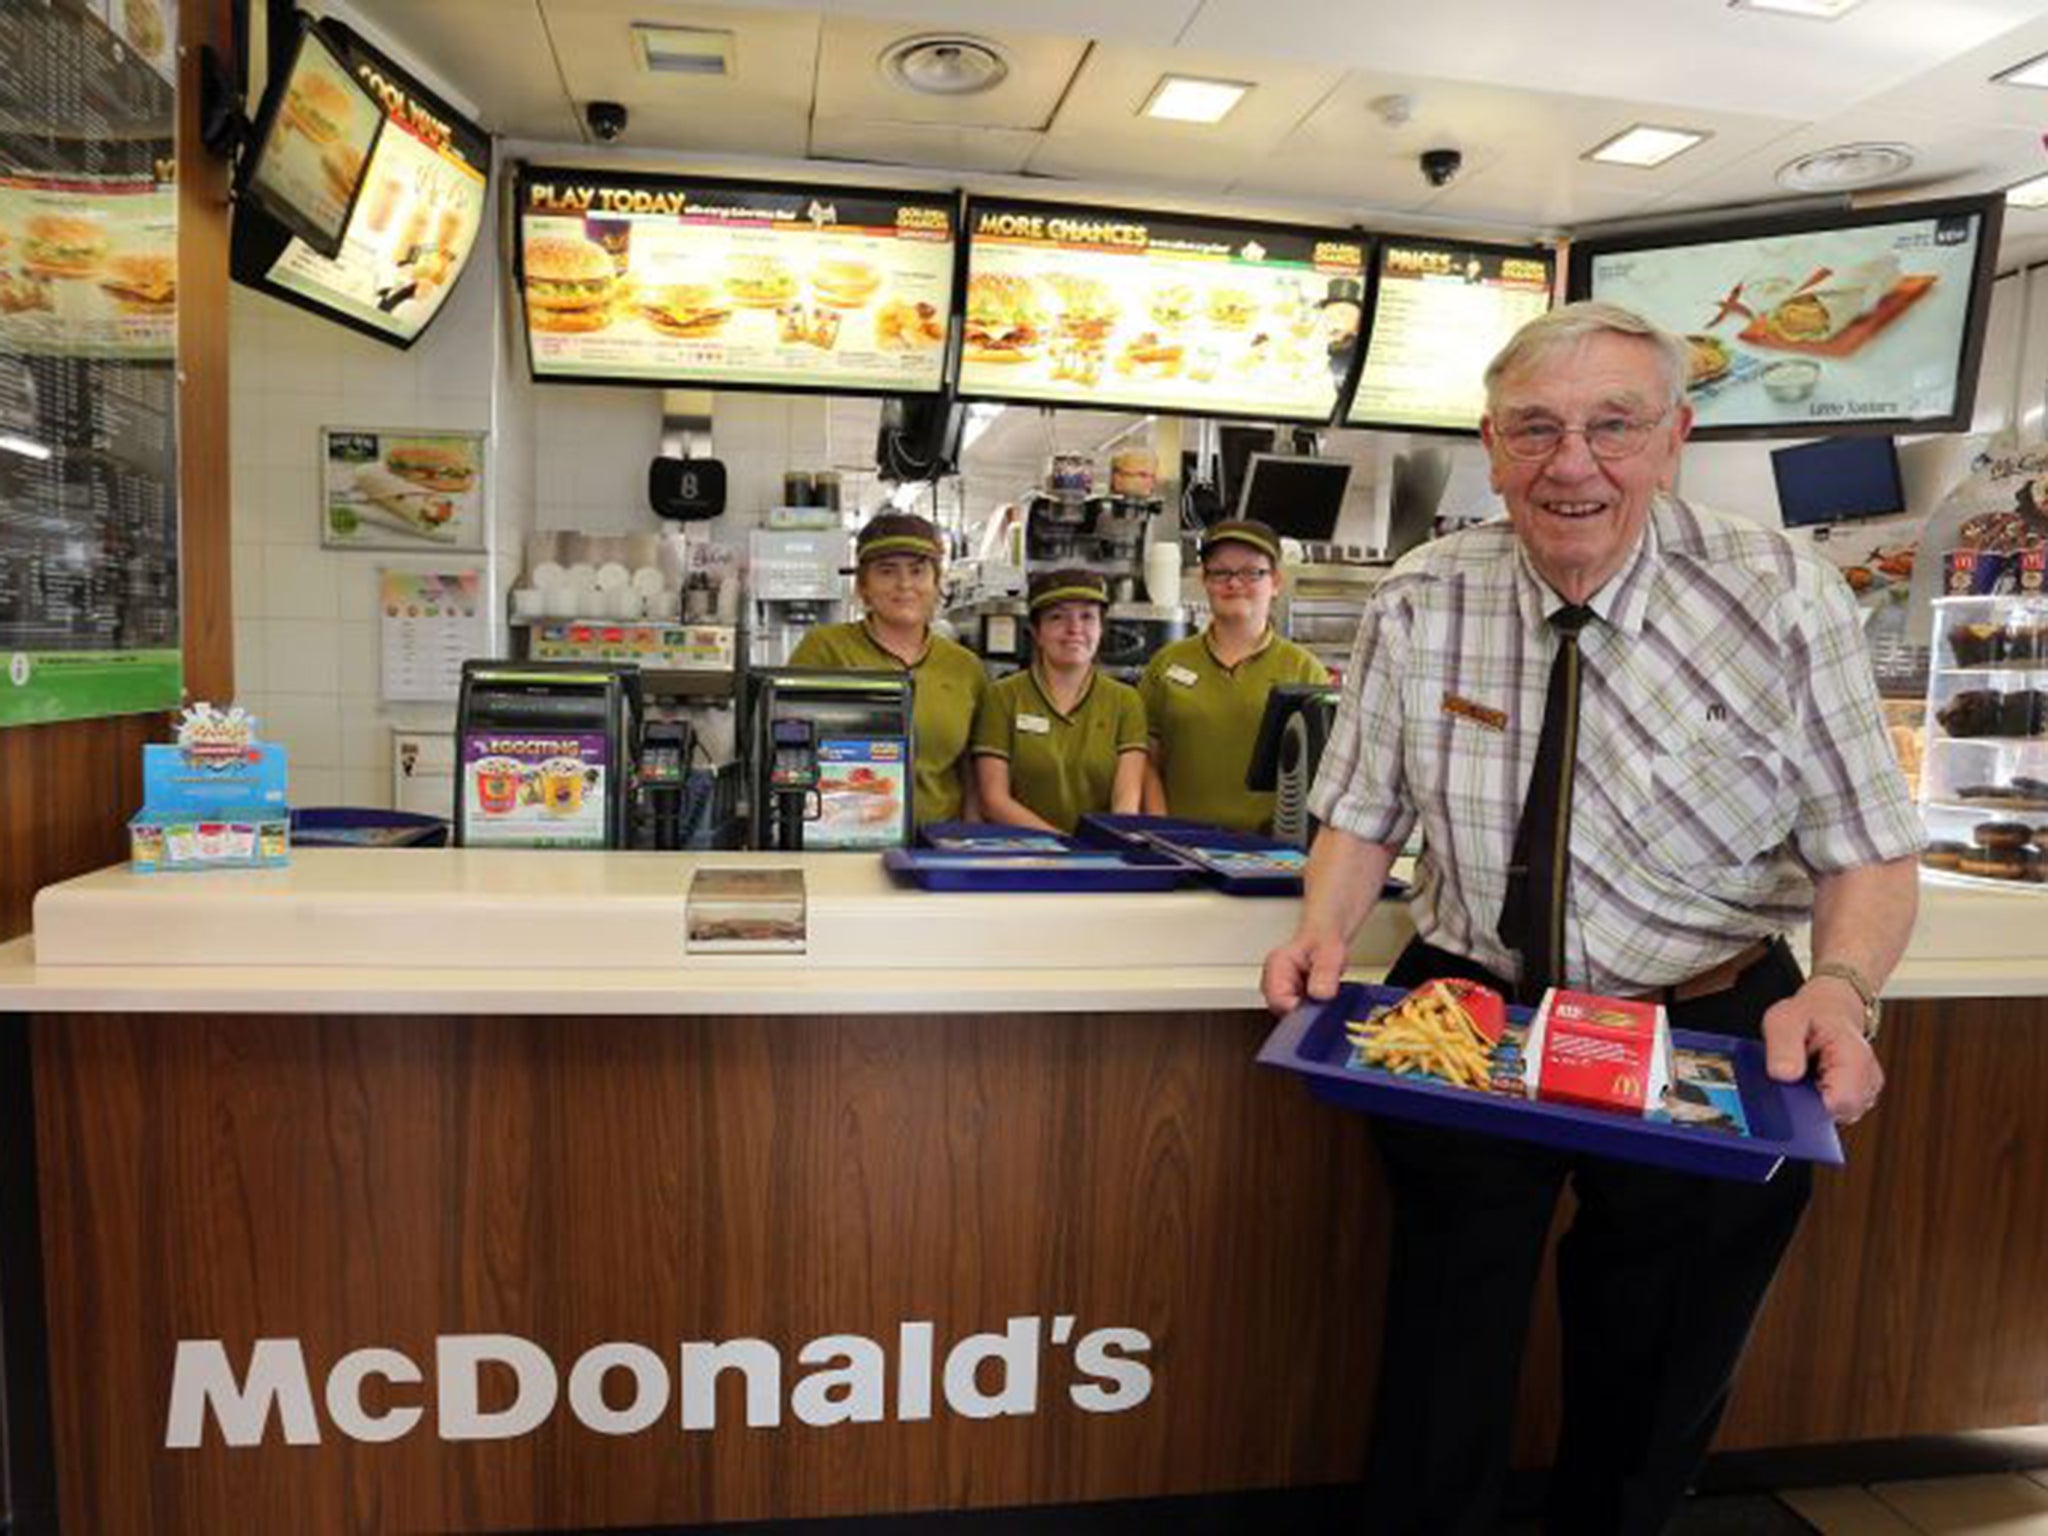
(628, 1388)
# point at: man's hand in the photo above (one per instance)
(1305, 967)
(1821, 1022)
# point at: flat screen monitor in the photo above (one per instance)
(1838, 479)
(1817, 325)
(314, 137)
(412, 229)
(1119, 309)
(629, 278)
(1440, 311)
(1285, 699)
(1299, 498)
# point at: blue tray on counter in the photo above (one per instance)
(1078, 870)
(1235, 863)
(1786, 1120)
(992, 837)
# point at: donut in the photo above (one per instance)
(1996, 864)
(1944, 855)
(2001, 835)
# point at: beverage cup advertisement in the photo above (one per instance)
(534, 790)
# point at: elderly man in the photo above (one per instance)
(1642, 741)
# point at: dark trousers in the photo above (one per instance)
(1658, 1279)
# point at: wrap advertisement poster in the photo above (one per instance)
(539, 789)
(89, 265)
(415, 223)
(1105, 308)
(320, 134)
(649, 278)
(1817, 330)
(1441, 313)
(862, 787)
(401, 490)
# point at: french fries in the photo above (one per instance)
(1430, 1031)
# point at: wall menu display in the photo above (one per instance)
(317, 135)
(415, 222)
(644, 279)
(1076, 305)
(1823, 324)
(1440, 312)
(89, 619)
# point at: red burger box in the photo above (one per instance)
(1595, 1052)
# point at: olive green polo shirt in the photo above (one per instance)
(1205, 718)
(1063, 766)
(946, 684)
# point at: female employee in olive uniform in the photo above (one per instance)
(897, 580)
(1204, 695)
(1059, 740)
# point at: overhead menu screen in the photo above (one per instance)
(654, 279)
(1106, 308)
(1440, 313)
(313, 146)
(415, 221)
(1868, 321)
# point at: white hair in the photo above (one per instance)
(1572, 324)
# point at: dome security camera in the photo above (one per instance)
(607, 119)
(1440, 165)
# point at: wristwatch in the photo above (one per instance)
(1841, 970)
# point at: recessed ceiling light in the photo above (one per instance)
(684, 50)
(2034, 72)
(945, 65)
(2032, 193)
(1645, 145)
(1845, 166)
(1185, 99)
(1812, 10)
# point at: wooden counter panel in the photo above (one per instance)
(578, 1181)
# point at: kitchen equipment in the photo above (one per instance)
(798, 580)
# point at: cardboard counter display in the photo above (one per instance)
(526, 1220)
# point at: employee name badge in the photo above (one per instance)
(1181, 677)
(1037, 725)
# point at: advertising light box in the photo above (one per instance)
(1115, 309)
(1827, 324)
(642, 279)
(1440, 312)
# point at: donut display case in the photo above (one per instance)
(1984, 778)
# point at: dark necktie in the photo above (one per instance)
(1532, 916)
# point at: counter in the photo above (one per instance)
(542, 1224)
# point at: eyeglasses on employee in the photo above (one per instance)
(1235, 575)
(1607, 437)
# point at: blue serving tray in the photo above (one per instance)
(1074, 870)
(1220, 854)
(1785, 1119)
(991, 837)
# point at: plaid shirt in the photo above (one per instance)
(1730, 745)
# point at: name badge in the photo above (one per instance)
(1478, 714)
(1182, 676)
(1037, 725)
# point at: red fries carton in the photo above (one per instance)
(1599, 1052)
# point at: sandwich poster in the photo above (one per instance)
(653, 279)
(1808, 331)
(1096, 307)
(401, 490)
(89, 266)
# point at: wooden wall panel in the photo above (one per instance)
(68, 789)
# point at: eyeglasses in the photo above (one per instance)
(1607, 437)
(1235, 575)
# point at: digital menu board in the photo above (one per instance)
(414, 224)
(1097, 307)
(1440, 312)
(1828, 324)
(660, 279)
(316, 136)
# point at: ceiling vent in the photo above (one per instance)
(945, 65)
(1846, 166)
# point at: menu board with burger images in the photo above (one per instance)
(415, 222)
(88, 449)
(315, 136)
(1071, 305)
(1870, 321)
(650, 279)
(1440, 311)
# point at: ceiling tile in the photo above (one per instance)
(988, 150)
(1132, 21)
(851, 83)
(495, 52)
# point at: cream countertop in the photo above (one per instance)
(500, 931)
